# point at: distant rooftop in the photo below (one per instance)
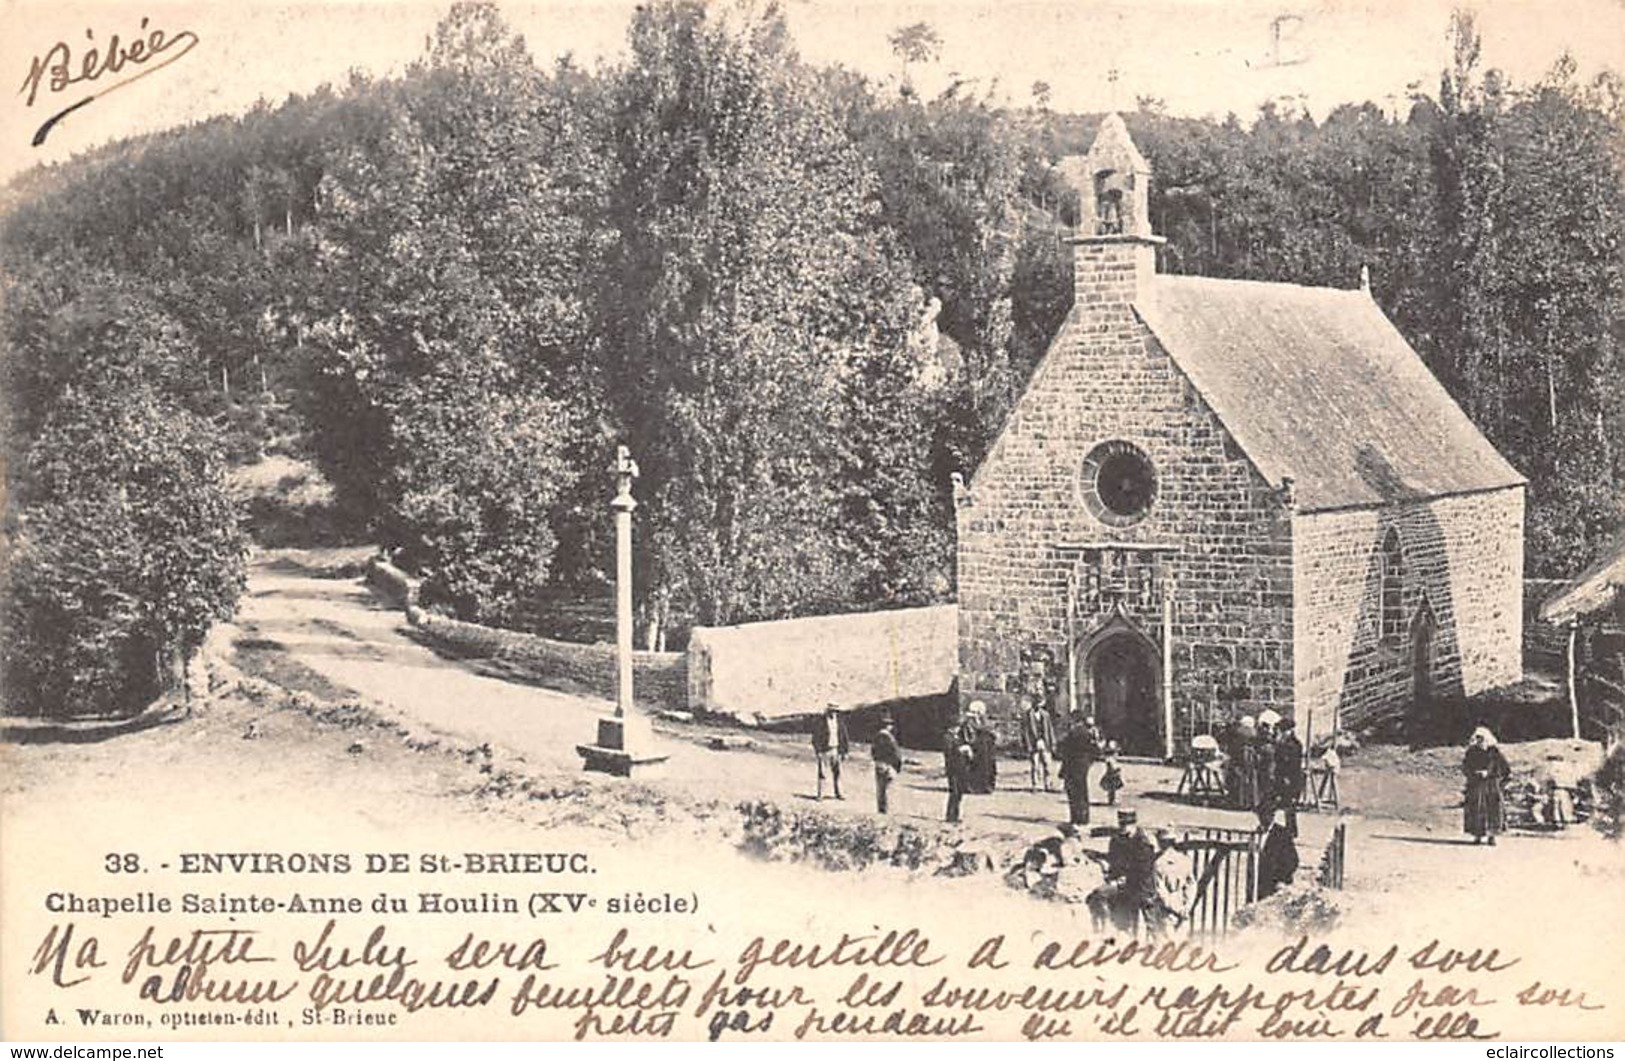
(1596, 588)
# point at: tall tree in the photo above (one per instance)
(951, 172)
(1526, 287)
(750, 294)
(450, 316)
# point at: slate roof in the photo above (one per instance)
(1316, 384)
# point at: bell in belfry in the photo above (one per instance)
(1111, 190)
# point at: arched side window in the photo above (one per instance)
(1393, 588)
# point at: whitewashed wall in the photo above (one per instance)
(796, 666)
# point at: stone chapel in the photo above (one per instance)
(1221, 496)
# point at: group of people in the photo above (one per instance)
(832, 743)
(1140, 878)
(1264, 768)
(969, 754)
(1264, 761)
(1134, 890)
(1147, 879)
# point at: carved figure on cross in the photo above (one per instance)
(626, 470)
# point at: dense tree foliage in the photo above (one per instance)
(445, 311)
(803, 297)
(755, 321)
(123, 547)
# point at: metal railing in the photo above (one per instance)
(1224, 875)
(1330, 874)
(1224, 864)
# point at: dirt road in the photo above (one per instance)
(338, 629)
(462, 761)
(1404, 826)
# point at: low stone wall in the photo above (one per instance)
(657, 677)
(758, 670)
(796, 666)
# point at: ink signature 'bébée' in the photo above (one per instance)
(58, 69)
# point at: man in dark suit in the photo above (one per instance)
(830, 746)
(1264, 749)
(1130, 890)
(1077, 752)
(888, 763)
(959, 754)
(1277, 854)
(1288, 774)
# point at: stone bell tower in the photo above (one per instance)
(1115, 256)
(1116, 182)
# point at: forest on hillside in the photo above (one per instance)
(801, 296)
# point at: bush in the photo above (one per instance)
(284, 501)
(1608, 787)
(473, 491)
(842, 843)
(125, 549)
(1295, 909)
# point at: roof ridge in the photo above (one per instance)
(1182, 278)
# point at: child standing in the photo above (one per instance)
(1112, 779)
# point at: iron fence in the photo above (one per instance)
(1332, 859)
(1224, 866)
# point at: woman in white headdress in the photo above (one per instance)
(1486, 770)
(984, 751)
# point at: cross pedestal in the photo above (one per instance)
(624, 742)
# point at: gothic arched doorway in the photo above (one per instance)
(1124, 678)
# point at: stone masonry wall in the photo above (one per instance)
(1462, 555)
(399, 588)
(1226, 535)
(658, 678)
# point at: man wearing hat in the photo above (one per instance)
(1037, 741)
(1289, 776)
(1241, 766)
(1130, 890)
(959, 754)
(830, 745)
(888, 763)
(1077, 752)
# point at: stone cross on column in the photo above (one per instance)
(625, 740)
(626, 470)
